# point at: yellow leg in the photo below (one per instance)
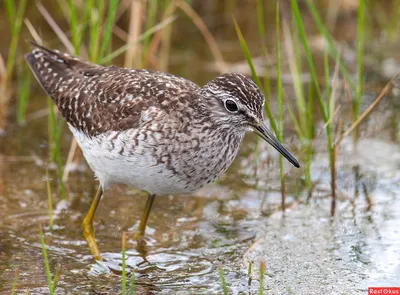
(87, 225)
(143, 221)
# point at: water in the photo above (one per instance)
(190, 238)
(226, 225)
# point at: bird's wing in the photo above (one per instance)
(97, 99)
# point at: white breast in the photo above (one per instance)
(115, 157)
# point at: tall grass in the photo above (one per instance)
(15, 17)
(301, 113)
(254, 74)
(276, 125)
(324, 104)
(333, 52)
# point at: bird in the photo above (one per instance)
(155, 131)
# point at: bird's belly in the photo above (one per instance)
(138, 171)
(114, 161)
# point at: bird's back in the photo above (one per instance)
(96, 99)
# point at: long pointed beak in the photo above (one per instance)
(267, 135)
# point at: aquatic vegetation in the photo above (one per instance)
(15, 16)
(51, 282)
(223, 281)
(123, 275)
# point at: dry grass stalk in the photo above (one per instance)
(64, 39)
(33, 32)
(385, 91)
(3, 70)
(333, 150)
(70, 159)
(157, 37)
(133, 54)
(199, 23)
(5, 96)
(166, 40)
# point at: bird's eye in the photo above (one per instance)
(231, 106)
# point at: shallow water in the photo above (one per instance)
(225, 225)
(306, 251)
(190, 237)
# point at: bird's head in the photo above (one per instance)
(236, 102)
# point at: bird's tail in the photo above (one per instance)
(51, 67)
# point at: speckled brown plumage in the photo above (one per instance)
(97, 99)
(153, 130)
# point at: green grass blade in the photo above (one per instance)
(107, 31)
(23, 89)
(294, 59)
(10, 8)
(150, 21)
(123, 263)
(54, 145)
(15, 32)
(302, 34)
(223, 282)
(60, 167)
(280, 102)
(327, 81)
(73, 22)
(249, 270)
(132, 284)
(55, 279)
(254, 74)
(360, 59)
(278, 74)
(14, 285)
(332, 49)
(260, 22)
(95, 20)
(52, 125)
(247, 55)
(261, 34)
(262, 271)
(308, 147)
(49, 200)
(310, 124)
(294, 120)
(46, 261)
